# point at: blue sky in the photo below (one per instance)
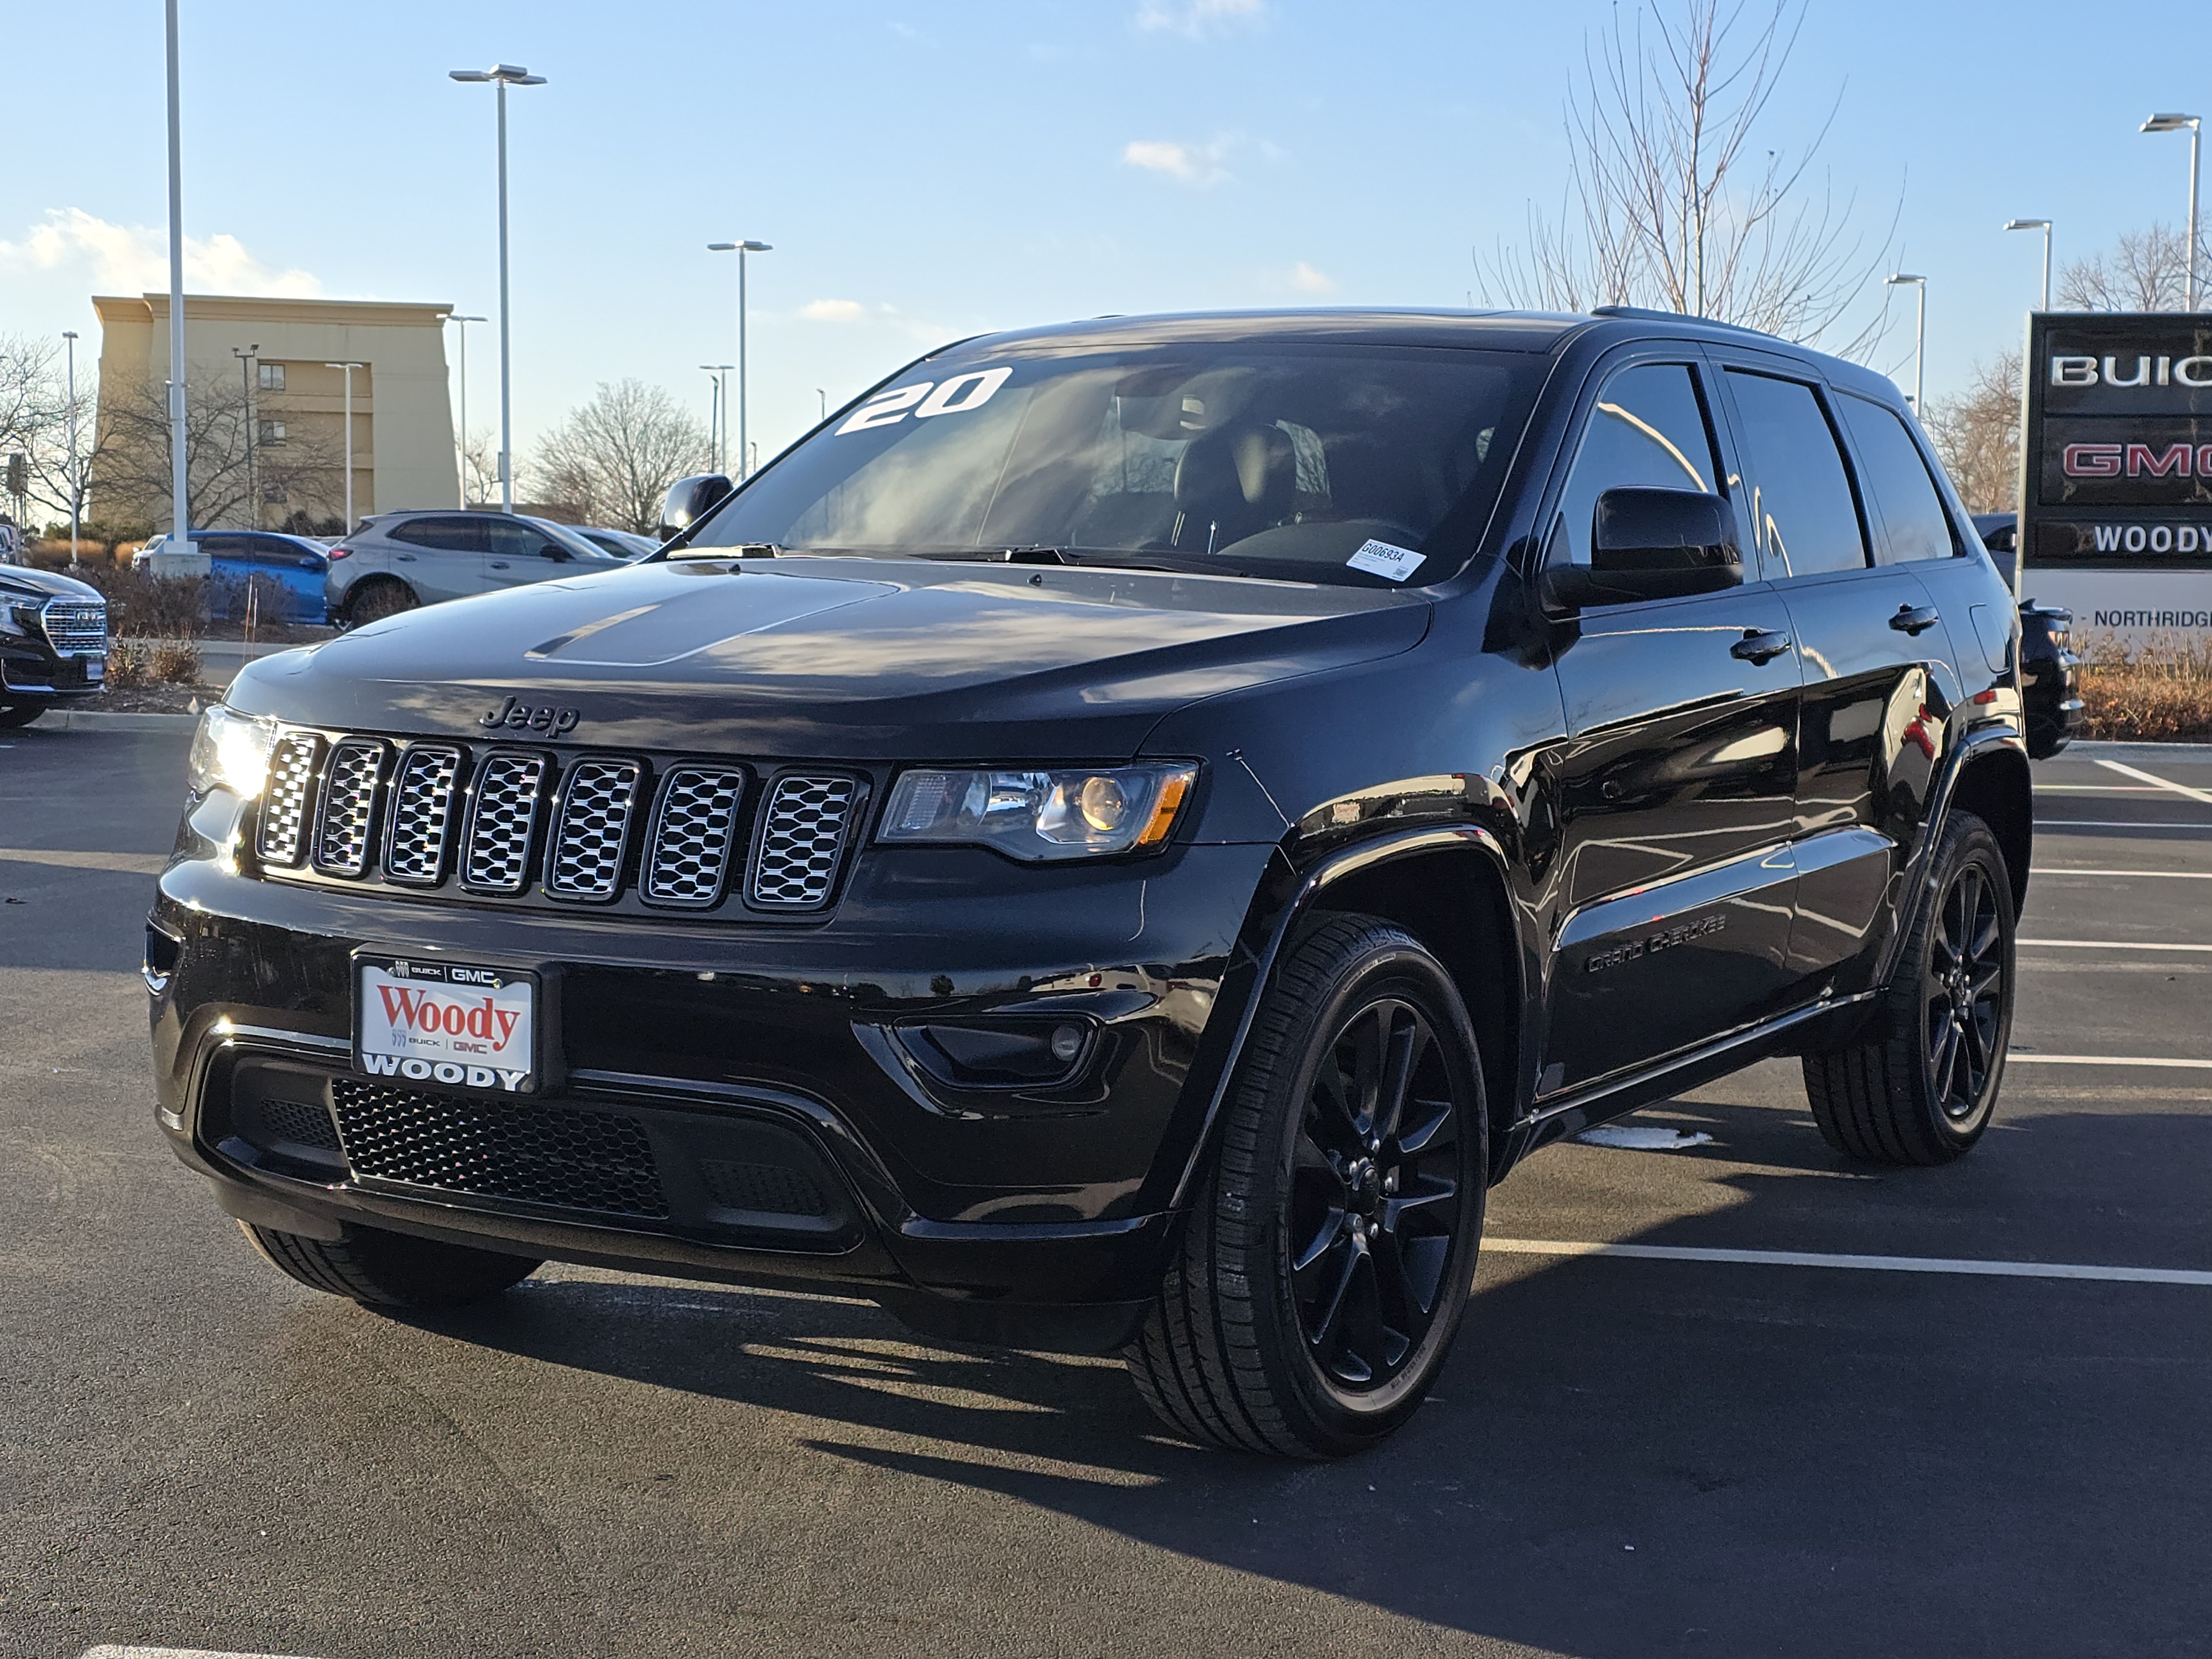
(930, 172)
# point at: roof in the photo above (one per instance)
(1496, 330)
(208, 308)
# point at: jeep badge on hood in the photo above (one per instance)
(522, 717)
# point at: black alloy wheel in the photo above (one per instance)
(1915, 1081)
(1374, 1190)
(1967, 993)
(1326, 1257)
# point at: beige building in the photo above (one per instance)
(265, 423)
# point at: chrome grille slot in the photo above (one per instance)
(348, 811)
(694, 828)
(502, 821)
(422, 792)
(590, 829)
(281, 838)
(802, 839)
(75, 624)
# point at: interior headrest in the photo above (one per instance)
(1252, 464)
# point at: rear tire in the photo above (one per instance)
(1326, 1263)
(380, 1269)
(1920, 1086)
(378, 598)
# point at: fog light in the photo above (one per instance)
(1067, 1043)
(1008, 1053)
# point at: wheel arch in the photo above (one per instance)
(1993, 785)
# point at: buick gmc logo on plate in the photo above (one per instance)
(443, 1022)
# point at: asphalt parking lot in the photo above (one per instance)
(1629, 1455)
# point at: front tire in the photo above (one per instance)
(381, 1269)
(1921, 1087)
(377, 598)
(1326, 1263)
(14, 714)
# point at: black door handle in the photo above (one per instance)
(499, 564)
(1914, 618)
(1755, 647)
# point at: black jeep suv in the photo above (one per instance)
(1117, 839)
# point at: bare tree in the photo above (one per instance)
(1671, 201)
(613, 460)
(222, 477)
(479, 469)
(34, 420)
(2144, 271)
(1977, 434)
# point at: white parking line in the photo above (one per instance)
(1879, 1264)
(2020, 1059)
(2141, 776)
(2158, 875)
(2118, 823)
(2095, 789)
(2107, 945)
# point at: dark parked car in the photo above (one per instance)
(53, 642)
(1118, 839)
(394, 562)
(2050, 671)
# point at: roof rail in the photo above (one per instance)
(1647, 314)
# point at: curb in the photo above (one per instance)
(89, 720)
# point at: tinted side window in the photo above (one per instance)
(454, 535)
(1805, 516)
(510, 540)
(1915, 524)
(1649, 430)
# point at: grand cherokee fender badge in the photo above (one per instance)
(523, 718)
(1655, 943)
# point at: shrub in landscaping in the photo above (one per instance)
(2159, 692)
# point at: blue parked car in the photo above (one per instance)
(291, 569)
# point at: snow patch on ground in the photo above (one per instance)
(1640, 1139)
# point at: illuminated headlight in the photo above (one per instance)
(231, 752)
(1041, 815)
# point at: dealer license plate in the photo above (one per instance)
(452, 1022)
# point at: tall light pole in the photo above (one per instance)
(2195, 126)
(348, 368)
(455, 317)
(741, 249)
(2043, 225)
(245, 384)
(824, 397)
(720, 431)
(70, 335)
(1919, 285)
(503, 76)
(180, 509)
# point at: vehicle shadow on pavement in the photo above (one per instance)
(1623, 1458)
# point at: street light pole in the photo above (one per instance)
(70, 335)
(503, 76)
(348, 368)
(179, 511)
(2043, 225)
(463, 445)
(1919, 285)
(2195, 126)
(245, 384)
(719, 449)
(741, 249)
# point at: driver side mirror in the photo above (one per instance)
(1650, 544)
(690, 500)
(554, 551)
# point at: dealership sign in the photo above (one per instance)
(2116, 495)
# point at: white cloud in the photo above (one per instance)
(135, 259)
(1307, 280)
(1199, 166)
(834, 311)
(1197, 19)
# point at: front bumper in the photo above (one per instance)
(1039, 1216)
(30, 673)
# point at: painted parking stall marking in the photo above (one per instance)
(457, 1023)
(1889, 1264)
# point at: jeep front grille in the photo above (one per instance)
(503, 822)
(802, 838)
(421, 814)
(349, 807)
(693, 830)
(590, 828)
(283, 838)
(75, 624)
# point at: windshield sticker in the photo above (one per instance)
(960, 395)
(1380, 559)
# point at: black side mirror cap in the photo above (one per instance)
(690, 500)
(1650, 544)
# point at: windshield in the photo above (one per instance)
(1369, 466)
(577, 544)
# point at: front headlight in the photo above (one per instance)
(231, 752)
(1084, 813)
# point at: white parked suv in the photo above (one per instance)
(397, 561)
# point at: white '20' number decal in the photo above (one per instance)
(957, 396)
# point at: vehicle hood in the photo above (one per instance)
(24, 582)
(848, 659)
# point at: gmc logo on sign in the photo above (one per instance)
(2137, 461)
